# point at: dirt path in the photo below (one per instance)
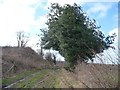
(34, 80)
(42, 82)
(54, 78)
(23, 79)
(50, 81)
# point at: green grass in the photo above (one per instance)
(9, 80)
(31, 81)
(50, 81)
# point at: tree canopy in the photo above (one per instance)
(74, 34)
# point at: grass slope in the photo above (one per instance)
(38, 73)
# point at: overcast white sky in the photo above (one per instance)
(30, 16)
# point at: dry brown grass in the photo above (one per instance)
(89, 76)
(98, 75)
(85, 75)
(21, 59)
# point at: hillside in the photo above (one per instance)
(15, 60)
(24, 68)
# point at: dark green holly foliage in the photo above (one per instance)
(73, 34)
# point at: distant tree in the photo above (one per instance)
(74, 34)
(22, 39)
(39, 45)
(50, 57)
(40, 52)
